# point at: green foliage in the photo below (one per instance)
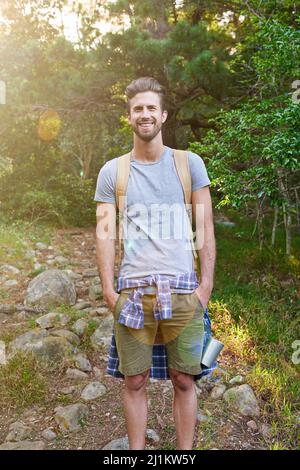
(22, 381)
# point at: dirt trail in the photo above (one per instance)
(222, 429)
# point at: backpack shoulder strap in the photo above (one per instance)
(183, 170)
(181, 158)
(123, 170)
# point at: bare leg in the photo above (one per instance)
(184, 408)
(135, 409)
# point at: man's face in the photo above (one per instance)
(146, 115)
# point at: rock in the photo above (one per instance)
(217, 392)
(70, 418)
(100, 311)
(71, 274)
(242, 399)
(152, 435)
(71, 337)
(3, 360)
(91, 272)
(20, 342)
(80, 326)
(41, 246)
(117, 444)
(18, 432)
(82, 305)
(95, 292)
(69, 390)
(37, 266)
(76, 374)
(93, 390)
(8, 309)
(10, 283)
(202, 417)
(52, 319)
(48, 348)
(51, 348)
(252, 425)
(83, 363)
(61, 260)
(8, 269)
(23, 445)
(102, 335)
(238, 379)
(50, 288)
(48, 434)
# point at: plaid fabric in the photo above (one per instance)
(159, 368)
(132, 313)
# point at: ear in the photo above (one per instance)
(164, 115)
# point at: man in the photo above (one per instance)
(159, 295)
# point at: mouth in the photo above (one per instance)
(146, 125)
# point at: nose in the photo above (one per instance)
(146, 113)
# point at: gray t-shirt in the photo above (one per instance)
(156, 222)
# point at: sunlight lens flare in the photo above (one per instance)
(49, 125)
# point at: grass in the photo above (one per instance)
(255, 310)
(22, 382)
(17, 237)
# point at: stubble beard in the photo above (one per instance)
(147, 137)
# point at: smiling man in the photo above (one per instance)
(158, 296)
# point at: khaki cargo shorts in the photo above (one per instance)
(182, 335)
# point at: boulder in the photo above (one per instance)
(18, 432)
(23, 445)
(71, 337)
(117, 444)
(49, 348)
(80, 326)
(217, 392)
(70, 418)
(102, 335)
(76, 374)
(52, 319)
(92, 391)
(50, 288)
(83, 363)
(243, 400)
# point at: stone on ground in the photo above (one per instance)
(70, 418)
(243, 400)
(50, 288)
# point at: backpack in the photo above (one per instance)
(183, 171)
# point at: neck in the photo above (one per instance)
(147, 151)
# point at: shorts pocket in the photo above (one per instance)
(115, 310)
(197, 300)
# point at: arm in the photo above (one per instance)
(105, 250)
(205, 241)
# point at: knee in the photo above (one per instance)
(181, 381)
(135, 383)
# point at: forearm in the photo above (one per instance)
(105, 255)
(207, 257)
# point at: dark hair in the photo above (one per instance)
(143, 84)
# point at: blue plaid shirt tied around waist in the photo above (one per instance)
(132, 314)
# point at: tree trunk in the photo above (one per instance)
(274, 225)
(169, 132)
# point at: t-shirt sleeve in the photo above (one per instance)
(105, 188)
(198, 172)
